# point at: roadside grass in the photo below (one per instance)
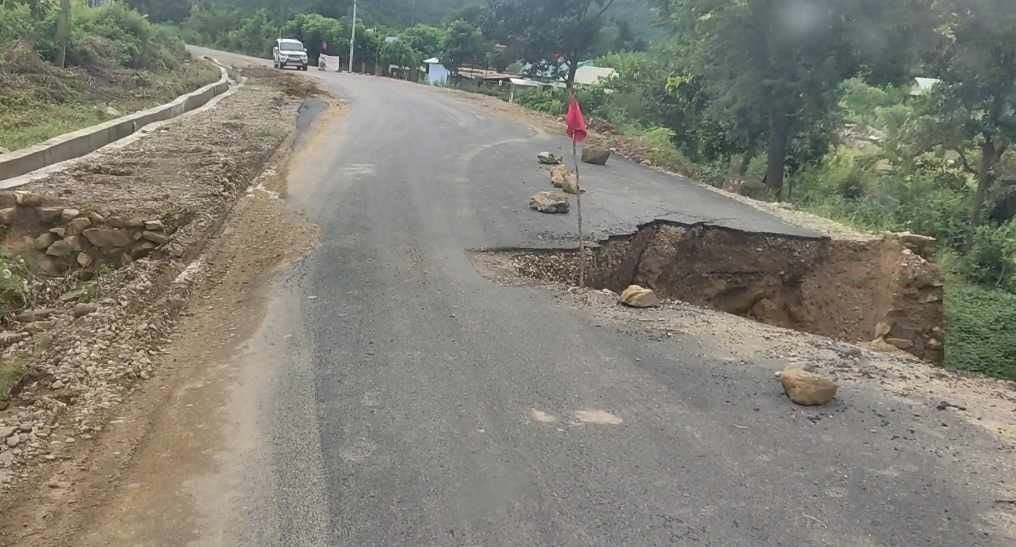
(38, 105)
(979, 333)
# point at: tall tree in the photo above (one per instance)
(424, 38)
(399, 53)
(463, 44)
(553, 34)
(973, 108)
(785, 59)
(162, 10)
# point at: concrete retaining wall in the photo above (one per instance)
(85, 141)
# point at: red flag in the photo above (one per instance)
(575, 120)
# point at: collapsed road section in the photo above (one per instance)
(883, 290)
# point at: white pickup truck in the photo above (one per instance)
(289, 52)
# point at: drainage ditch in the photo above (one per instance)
(853, 290)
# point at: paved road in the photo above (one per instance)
(410, 401)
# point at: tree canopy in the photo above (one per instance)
(552, 35)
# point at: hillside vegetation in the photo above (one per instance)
(115, 62)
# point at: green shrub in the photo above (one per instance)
(545, 100)
(979, 330)
(991, 259)
(866, 104)
(659, 147)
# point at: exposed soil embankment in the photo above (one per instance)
(880, 289)
(110, 246)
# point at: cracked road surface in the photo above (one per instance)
(393, 396)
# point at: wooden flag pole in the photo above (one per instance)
(578, 203)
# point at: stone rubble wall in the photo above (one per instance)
(60, 238)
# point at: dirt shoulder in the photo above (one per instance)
(96, 335)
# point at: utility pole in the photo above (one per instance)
(352, 39)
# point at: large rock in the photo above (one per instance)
(27, 199)
(570, 185)
(550, 202)
(108, 238)
(807, 388)
(48, 214)
(595, 155)
(155, 237)
(639, 297)
(76, 243)
(60, 249)
(77, 226)
(558, 175)
(142, 249)
(7, 215)
(546, 158)
(43, 242)
(85, 260)
(68, 215)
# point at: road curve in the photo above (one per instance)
(399, 398)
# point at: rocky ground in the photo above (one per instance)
(96, 329)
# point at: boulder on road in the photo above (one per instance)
(807, 388)
(637, 296)
(550, 202)
(561, 177)
(558, 175)
(546, 158)
(595, 155)
(570, 185)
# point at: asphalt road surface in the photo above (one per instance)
(406, 400)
